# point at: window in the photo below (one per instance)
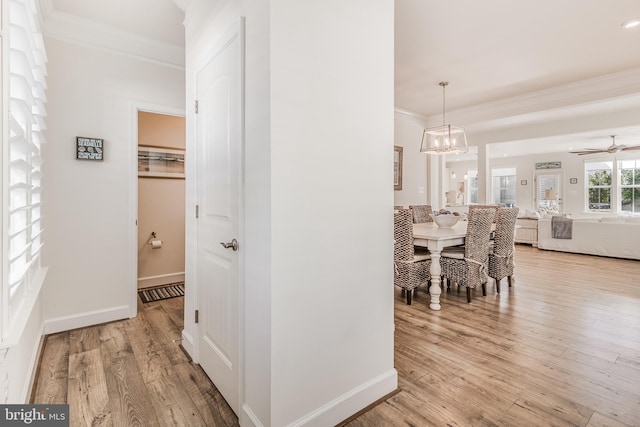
(598, 179)
(629, 185)
(504, 186)
(23, 106)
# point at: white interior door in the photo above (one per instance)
(219, 121)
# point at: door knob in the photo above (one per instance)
(232, 244)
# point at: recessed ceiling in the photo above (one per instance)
(494, 49)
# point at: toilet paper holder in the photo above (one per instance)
(154, 242)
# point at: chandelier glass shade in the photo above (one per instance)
(444, 139)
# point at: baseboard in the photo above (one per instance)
(187, 343)
(83, 320)
(341, 408)
(162, 279)
(34, 364)
(248, 418)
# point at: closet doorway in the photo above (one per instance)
(161, 200)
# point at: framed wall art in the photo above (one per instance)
(160, 162)
(89, 148)
(549, 165)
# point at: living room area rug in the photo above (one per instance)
(161, 292)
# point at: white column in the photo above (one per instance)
(484, 175)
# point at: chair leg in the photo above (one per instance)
(509, 279)
(402, 292)
(484, 289)
(468, 295)
(409, 294)
(497, 285)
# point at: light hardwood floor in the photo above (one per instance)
(560, 348)
(130, 373)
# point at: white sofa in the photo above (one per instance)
(613, 237)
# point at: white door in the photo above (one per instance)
(219, 127)
(549, 190)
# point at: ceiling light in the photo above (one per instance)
(443, 139)
(630, 24)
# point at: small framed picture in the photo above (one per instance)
(156, 162)
(523, 182)
(89, 148)
(573, 180)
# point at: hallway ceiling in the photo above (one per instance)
(489, 51)
(154, 19)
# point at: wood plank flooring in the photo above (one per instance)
(560, 348)
(130, 373)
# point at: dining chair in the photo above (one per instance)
(467, 266)
(421, 213)
(473, 208)
(410, 268)
(501, 258)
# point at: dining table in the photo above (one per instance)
(429, 235)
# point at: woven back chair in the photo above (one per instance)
(467, 266)
(473, 208)
(410, 270)
(421, 213)
(501, 259)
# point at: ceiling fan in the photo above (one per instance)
(613, 148)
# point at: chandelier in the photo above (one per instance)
(446, 138)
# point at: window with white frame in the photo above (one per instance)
(629, 185)
(23, 100)
(599, 180)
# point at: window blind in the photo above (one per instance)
(24, 79)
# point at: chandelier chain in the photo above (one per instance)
(444, 85)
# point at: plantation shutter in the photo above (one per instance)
(24, 75)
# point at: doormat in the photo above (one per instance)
(163, 292)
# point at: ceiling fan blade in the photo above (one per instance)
(588, 151)
(633, 147)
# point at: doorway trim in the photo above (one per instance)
(135, 108)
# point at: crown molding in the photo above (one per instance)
(410, 114)
(71, 28)
(182, 4)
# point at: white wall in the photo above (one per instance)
(331, 160)
(572, 167)
(318, 324)
(408, 134)
(89, 205)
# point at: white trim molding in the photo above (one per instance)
(83, 320)
(351, 402)
(161, 279)
(71, 28)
